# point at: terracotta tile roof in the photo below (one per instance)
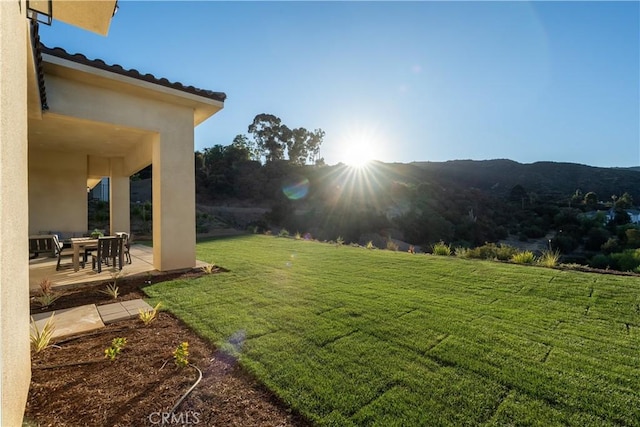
(100, 64)
(37, 58)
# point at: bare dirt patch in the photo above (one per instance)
(73, 384)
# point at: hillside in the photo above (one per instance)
(462, 202)
(547, 179)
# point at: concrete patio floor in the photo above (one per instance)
(45, 268)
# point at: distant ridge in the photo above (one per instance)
(544, 178)
(634, 168)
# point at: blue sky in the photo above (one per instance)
(399, 81)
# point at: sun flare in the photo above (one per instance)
(357, 155)
(360, 148)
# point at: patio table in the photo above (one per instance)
(81, 243)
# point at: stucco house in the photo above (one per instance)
(67, 121)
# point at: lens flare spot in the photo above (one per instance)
(296, 189)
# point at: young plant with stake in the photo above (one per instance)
(111, 290)
(47, 295)
(117, 344)
(209, 268)
(181, 355)
(148, 316)
(40, 339)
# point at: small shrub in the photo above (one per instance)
(297, 236)
(441, 249)
(47, 295)
(370, 245)
(148, 316)
(600, 261)
(339, 241)
(117, 344)
(111, 290)
(181, 355)
(505, 252)
(391, 245)
(549, 258)
(46, 286)
(412, 249)
(492, 251)
(46, 300)
(283, 233)
(40, 339)
(524, 257)
(627, 260)
(209, 268)
(462, 252)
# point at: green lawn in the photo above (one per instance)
(369, 337)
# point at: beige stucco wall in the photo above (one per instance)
(168, 143)
(15, 366)
(174, 196)
(57, 191)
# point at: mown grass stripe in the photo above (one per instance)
(349, 336)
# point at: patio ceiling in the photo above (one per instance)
(63, 133)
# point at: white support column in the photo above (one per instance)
(119, 194)
(174, 228)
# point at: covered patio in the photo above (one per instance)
(66, 277)
(89, 120)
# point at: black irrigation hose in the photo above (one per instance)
(184, 396)
(93, 333)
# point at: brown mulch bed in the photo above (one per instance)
(73, 384)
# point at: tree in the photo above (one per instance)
(625, 201)
(297, 146)
(304, 146)
(313, 146)
(591, 199)
(244, 144)
(576, 198)
(270, 136)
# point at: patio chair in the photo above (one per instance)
(108, 248)
(59, 247)
(42, 245)
(48, 245)
(126, 245)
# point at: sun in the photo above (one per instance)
(357, 155)
(359, 148)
